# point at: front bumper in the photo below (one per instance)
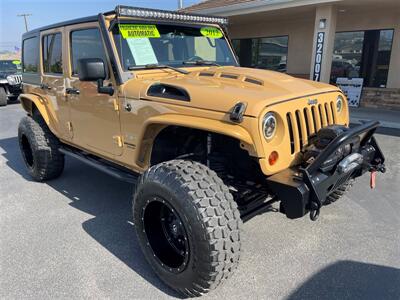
(14, 90)
(303, 190)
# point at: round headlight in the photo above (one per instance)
(339, 103)
(269, 125)
(11, 80)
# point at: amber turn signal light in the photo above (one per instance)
(273, 157)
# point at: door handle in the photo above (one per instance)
(128, 107)
(45, 86)
(72, 91)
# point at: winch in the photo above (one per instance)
(319, 141)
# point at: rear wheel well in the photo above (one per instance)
(31, 109)
(26, 104)
(34, 110)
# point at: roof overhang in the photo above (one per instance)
(262, 6)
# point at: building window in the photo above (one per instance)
(364, 54)
(30, 53)
(52, 54)
(263, 53)
(86, 43)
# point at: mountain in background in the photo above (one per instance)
(9, 55)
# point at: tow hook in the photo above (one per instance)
(378, 168)
(314, 211)
(372, 180)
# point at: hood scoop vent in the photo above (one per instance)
(254, 81)
(167, 91)
(206, 74)
(229, 76)
(247, 79)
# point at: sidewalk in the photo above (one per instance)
(387, 118)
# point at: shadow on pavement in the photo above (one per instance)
(13, 102)
(107, 199)
(351, 280)
(109, 202)
(13, 156)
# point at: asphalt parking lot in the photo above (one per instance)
(73, 238)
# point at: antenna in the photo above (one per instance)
(26, 22)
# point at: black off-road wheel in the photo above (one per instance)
(188, 226)
(3, 96)
(339, 192)
(39, 148)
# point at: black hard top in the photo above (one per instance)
(35, 32)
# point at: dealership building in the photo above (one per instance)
(352, 43)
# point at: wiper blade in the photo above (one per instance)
(157, 66)
(201, 62)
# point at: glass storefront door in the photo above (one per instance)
(363, 54)
(263, 53)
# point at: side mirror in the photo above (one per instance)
(93, 69)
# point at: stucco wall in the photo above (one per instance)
(300, 32)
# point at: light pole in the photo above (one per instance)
(26, 22)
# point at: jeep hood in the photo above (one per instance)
(220, 88)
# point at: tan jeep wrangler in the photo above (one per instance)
(157, 98)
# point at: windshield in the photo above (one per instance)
(139, 45)
(10, 66)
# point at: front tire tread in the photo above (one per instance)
(216, 210)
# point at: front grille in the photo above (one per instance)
(17, 78)
(302, 123)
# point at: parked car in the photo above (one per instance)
(157, 98)
(342, 68)
(10, 80)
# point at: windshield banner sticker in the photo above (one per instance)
(211, 32)
(129, 31)
(142, 51)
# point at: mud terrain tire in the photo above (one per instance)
(39, 148)
(3, 96)
(208, 217)
(339, 192)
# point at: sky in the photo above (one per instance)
(46, 12)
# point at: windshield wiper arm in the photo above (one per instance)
(156, 66)
(201, 62)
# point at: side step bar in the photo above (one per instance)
(114, 170)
